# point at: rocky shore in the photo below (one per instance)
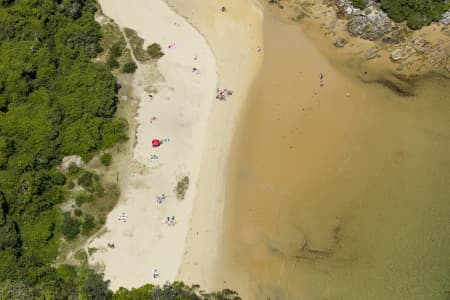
(373, 36)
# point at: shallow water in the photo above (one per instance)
(336, 196)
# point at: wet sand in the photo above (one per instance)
(334, 195)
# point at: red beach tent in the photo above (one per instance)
(156, 143)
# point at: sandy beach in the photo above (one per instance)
(196, 130)
(234, 37)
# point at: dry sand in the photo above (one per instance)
(199, 129)
(234, 37)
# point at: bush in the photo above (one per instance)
(136, 43)
(112, 62)
(98, 190)
(154, 50)
(70, 184)
(88, 225)
(106, 159)
(116, 50)
(59, 179)
(182, 187)
(361, 4)
(80, 199)
(78, 212)
(130, 67)
(416, 13)
(70, 227)
(85, 180)
(73, 169)
(80, 255)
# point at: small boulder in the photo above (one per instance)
(371, 53)
(445, 19)
(340, 42)
(402, 53)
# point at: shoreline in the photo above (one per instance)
(241, 27)
(289, 219)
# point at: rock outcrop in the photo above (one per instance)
(445, 19)
(370, 24)
(402, 53)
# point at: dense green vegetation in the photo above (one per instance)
(130, 67)
(174, 291)
(54, 101)
(361, 4)
(106, 159)
(154, 50)
(417, 13)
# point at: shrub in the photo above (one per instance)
(136, 43)
(70, 227)
(130, 67)
(85, 180)
(88, 225)
(98, 190)
(416, 13)
(112, 62)
(80, 255)
(80, 199)
(116, 50)
(154, 50)
(59, 179)
(73, 169)
(70, 184)
(106, 159)
(182, 187)
(361, 4)
(78, 212)
(92, 250)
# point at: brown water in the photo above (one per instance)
(337, 197)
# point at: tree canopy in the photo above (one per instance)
(417, 13)
(54, 101)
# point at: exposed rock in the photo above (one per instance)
(420, 44)
(445, 19)
(340, 42)
(447, 52)
(370, 27)
(371, 53)
(402, 53)
(67, 160)
(399, 34)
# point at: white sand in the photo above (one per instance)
(200, 130)
(181, 106)
(234, 37)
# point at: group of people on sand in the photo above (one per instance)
(223, 94)
(155, 274)
(160, 199)
(123, 217)
(170, 221)
(321, 79)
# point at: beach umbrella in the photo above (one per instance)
(156, 143)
